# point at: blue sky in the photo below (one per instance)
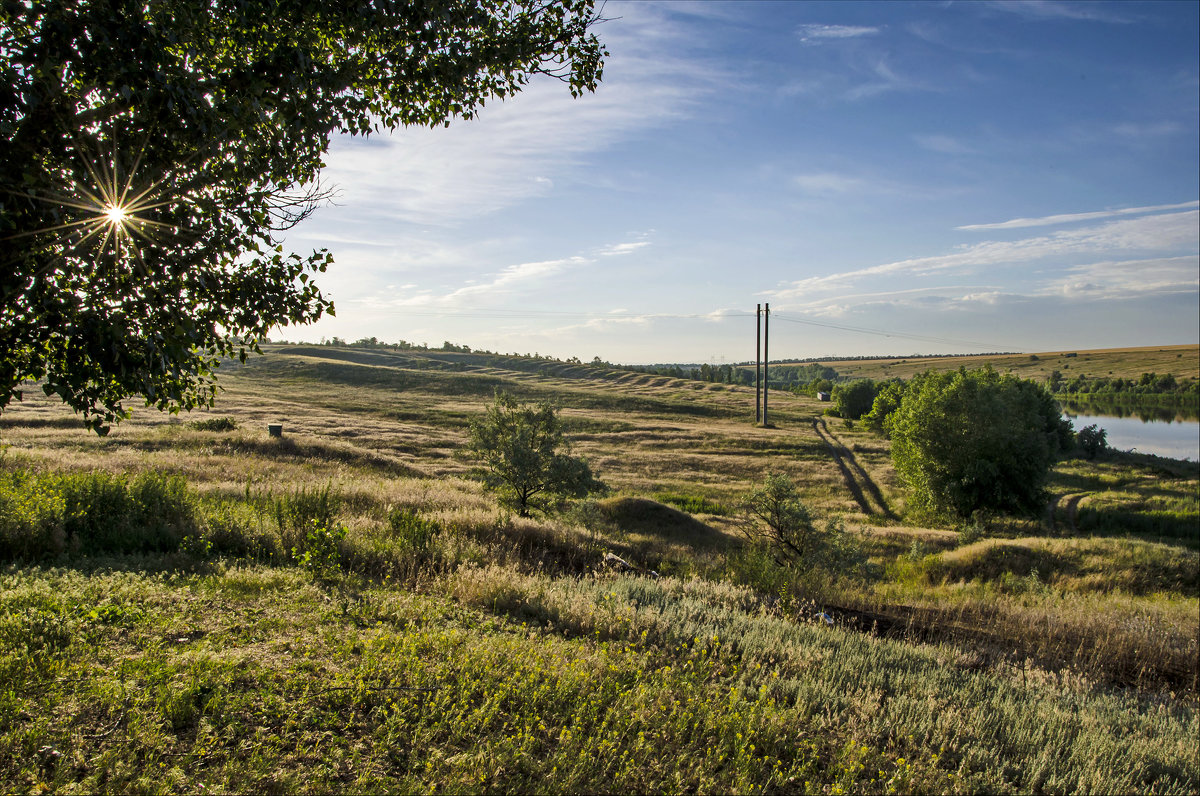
(892, 178)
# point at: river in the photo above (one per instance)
(1177, 439)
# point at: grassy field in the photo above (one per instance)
(424, 638)
(1181, 361)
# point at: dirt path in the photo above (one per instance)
(857, 479)
(1069, 505)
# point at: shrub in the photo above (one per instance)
(693, 504)
(214, 424)
(31, 518)
(412, 530)
(778, 518)
(1092, 440)
(42, 516)
(320, 552)
(297, 512)
(972, 441)
(853, 400)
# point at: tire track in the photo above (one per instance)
(857, 479)
(1069, 506)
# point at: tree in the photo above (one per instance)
(526, 456)
(970, 441)
(887, 401)
(153, 152)
(853, 400)
(1092, 440)
(777, 516)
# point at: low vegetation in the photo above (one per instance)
(186, 608)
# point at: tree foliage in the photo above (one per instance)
(969, 441)
(778, 517)
(153, 152)
(852, 400)
(1092, 440)
(526, 457)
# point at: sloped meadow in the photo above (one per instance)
(190, 604)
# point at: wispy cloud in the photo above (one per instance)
(1162, 233)
(828, 183)
(1139, 131)
(1068, 218)
(1056, 9)
(1127, 278)
(818, 33)
(617, 249)
(513, 279)
(518, 148)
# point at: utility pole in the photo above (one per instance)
(766, 362)
(758, 364)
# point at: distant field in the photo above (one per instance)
(1181, 361)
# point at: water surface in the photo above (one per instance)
(1178, 439)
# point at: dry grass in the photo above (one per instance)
(1182, 361)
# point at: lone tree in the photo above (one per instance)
(153, 151)
(973, 440)
(526, 456)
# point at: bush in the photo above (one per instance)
(1092, 440)
(412, 530)
(214, 424)
(320, 552)
(105, 513)
(31, 518)
(778, 518)
(853, 400)
(42, 516)
(692, 504)
(296, 513)
(971, 441)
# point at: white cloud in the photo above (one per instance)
(1052, 9)
(1128, 278)
(512, 279)
(1066, 218)
(617, 249)
(1147, 129)
(826, 32)
(517, 149)
(1167, 233)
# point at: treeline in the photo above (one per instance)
(876, 358)
(800, 378)
(447, 346)
(716, 374)
(1113, 389)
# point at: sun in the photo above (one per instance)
(116, 214)
(110, 207)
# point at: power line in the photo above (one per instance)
(526, 314)
(885, 333)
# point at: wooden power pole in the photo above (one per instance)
(766, 361)
(758, 364)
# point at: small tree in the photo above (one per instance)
(1092, 440)
(526, 456)
(776, 515)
